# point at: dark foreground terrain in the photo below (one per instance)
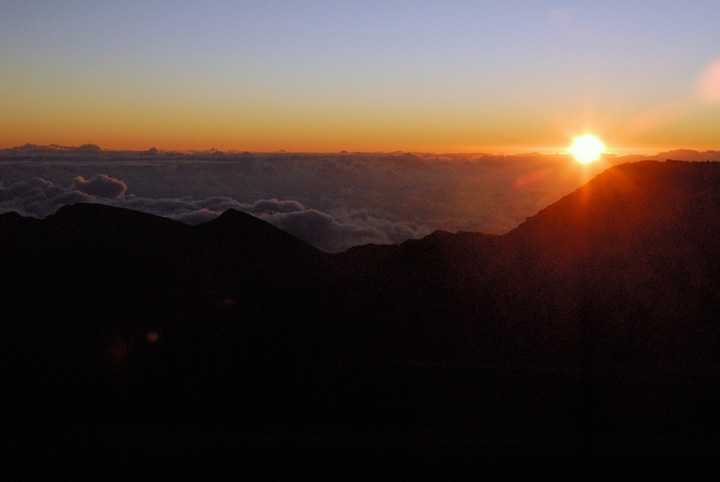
(586, 337)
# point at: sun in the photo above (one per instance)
(586, 148)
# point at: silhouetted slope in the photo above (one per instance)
(260, 286)
(624, 269)
(234, 242)
(100, 272)
(593, 324)
(630, 257)
(651, 203)
(419, 300)
(86, 264)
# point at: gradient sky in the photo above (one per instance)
(368, 75)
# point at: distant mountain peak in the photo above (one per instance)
(232, 220)
(235, 216)
(96, 212)
(239, 227)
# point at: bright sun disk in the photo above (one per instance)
(586, 148)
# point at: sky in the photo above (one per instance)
(324, 76)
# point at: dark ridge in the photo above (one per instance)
(11, 218)
(109, 219)
(234, 226)
(237, 218)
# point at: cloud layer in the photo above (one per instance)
(40, 198)
(333, 201)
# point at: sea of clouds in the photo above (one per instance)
(332, 201)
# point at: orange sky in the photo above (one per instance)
(418, 76)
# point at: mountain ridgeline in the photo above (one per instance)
(593, 323)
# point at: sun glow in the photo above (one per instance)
(586, 148)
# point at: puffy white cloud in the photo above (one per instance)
(325, 232)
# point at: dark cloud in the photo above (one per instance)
(275, 206)
(38, 197)
(196, 217)
(71, 197)
(87, 148)
(101, 186)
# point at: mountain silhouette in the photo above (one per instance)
(593, 324)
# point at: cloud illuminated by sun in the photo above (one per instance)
(586, 148)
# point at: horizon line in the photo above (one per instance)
(90, 148)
